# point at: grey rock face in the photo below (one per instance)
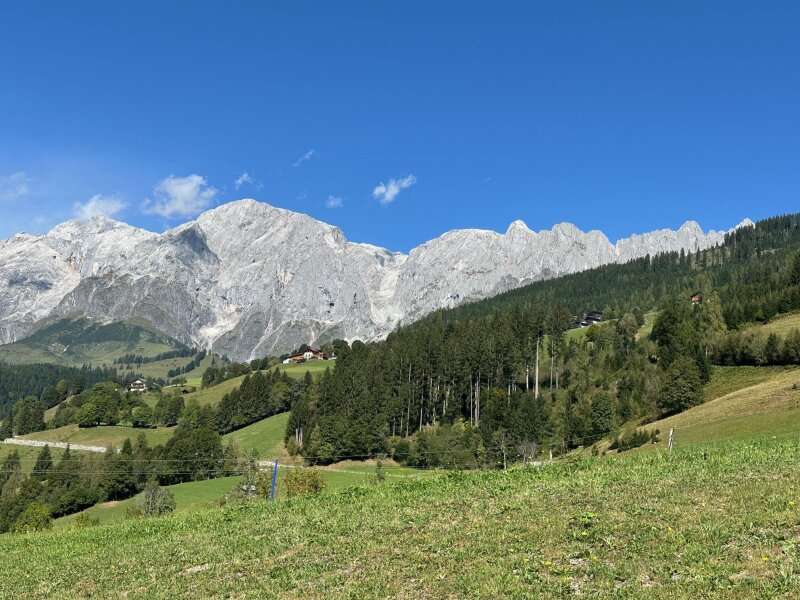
(248, 279)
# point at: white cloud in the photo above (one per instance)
(307, 156)
(14, 186)
(246, 179)
(97, 205)
(180, 197)
(334, 202)
(385, 193)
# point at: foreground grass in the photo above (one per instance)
(198, 495)
(699, 523)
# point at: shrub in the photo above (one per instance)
(83, 520)
(35, 517)
(636, 438)
(303, 482)
(156, 501)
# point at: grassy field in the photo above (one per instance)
(725, 380)
(27, 455)
(647, 328)
(699, 523)
(100, 436)
(764, 402)
(193, 495)
(782, 324)
(315, 367)
(265, 437)
(197, 495)
(214, 394)
(161, 368)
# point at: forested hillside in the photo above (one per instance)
(500, 379)
(49, 383)
(75, 342)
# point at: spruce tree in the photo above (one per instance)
(44, 462)
(681, 388)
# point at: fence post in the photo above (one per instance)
(669, 442)
(273, 489)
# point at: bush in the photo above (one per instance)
(35, 517)
(156, 501)
(636, 438)
(83, 520)
(303, 482)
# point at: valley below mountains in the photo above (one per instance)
(248, 279)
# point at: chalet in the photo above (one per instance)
(590, 318)
(137, 386)
(697, 298)
(309, 354)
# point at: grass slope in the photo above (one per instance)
(265, 437)
(213, 395)
(193, 495)
(161, 368)
(197, 495)
(75, 342)
(100, 436)
(764, 402)
(782, 324)
(719, 523)
(27, 455)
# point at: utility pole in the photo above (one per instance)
(527, 377)
(536, 372)
(669, 441)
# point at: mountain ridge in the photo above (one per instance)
(247, 278)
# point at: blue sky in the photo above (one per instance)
(398, 121)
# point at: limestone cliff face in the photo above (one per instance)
(249, 279)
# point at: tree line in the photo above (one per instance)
(498, 378)
(75, 481)
(50, 383)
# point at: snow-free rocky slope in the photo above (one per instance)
(249, 279)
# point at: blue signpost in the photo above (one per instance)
(274, 481)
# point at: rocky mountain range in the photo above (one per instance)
(248, 279)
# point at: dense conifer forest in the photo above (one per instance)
(50, 383)
(506, 378)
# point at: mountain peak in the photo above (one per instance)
(250, 279)
(518, 226)
(566, 229)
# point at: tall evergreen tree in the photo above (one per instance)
(44, 462)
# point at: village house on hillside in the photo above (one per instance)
(137, 386)
(308, 354)
(590, 318)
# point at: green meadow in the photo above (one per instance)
(696, 523)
